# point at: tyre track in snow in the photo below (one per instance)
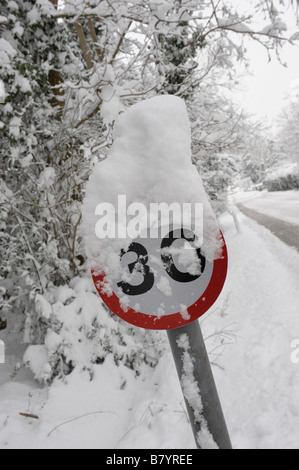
(285, 231)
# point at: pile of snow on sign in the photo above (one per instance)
(149, 163)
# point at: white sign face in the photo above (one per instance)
(159, 283)
(163, 283)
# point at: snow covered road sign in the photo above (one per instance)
(162, 294)
(158, 258)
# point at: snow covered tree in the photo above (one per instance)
(28, 122)
(288, 135)
(216, 135)
(68, 70)
(283, 173)
(255, 151)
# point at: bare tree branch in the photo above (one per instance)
(121, 40)
(93, 33)
(83, 44)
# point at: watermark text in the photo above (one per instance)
(2, 352)
(295, 353)
(153, 221)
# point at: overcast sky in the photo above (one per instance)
(265, 93)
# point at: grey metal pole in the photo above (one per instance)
(198, 386)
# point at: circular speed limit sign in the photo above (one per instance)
(155, 291)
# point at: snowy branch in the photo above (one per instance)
(3, 20)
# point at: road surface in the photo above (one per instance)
(287, 232)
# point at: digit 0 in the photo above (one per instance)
(167, 258)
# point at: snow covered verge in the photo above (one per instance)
(250, 334)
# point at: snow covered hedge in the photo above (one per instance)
(80, 332)
(66, 75)
(283, 183)
(284, 177)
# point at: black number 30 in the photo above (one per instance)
(140, 265)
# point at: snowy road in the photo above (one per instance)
(281, 205)
(287, 232)
(277, 211)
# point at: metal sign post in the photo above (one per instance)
(202, 401)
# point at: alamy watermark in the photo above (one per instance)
(2, 92)
(154, 220)
(295, 353)
(2, 352)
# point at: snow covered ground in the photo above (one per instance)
(251, 335)
(282, 205)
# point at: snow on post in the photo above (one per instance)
(192, 394)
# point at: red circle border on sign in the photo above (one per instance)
(175, 320)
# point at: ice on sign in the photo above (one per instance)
(158, 258)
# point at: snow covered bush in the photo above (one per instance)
(80, 332)
(68, 69)
(283, 183)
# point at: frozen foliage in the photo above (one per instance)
(68, 72)
(284, 182)
(37, 359)
(81, 332)
(288, 134)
